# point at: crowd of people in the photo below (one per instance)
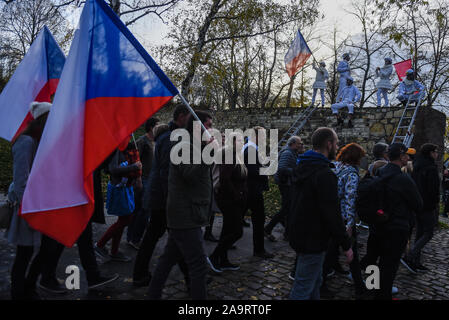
(320, 200)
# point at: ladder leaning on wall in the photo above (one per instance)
(296, 127)
(403, 132)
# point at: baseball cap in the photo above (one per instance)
(396, 149)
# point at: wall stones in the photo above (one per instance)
(371, 125)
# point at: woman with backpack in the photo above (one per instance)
(347, 171)
(125, 171)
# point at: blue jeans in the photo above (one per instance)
(308, 277)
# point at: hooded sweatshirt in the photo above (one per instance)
(315, 213)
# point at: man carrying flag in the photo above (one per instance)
(297, 55)
(35, 79)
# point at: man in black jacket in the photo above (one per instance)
(155, 199)
(287, 162)
(425, 175)
(402, 199)
(315, 215)
(257, 184)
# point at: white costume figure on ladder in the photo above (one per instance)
(384, 84)
(408, 87)
(320, 81)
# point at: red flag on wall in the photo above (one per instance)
(402, 67)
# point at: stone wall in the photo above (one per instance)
(371, 125)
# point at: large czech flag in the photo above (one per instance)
(35, 79)
(109, 87)
(297, 55)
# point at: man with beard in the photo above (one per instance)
(315, 215)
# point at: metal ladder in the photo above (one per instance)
(407, 137)
(299, 123)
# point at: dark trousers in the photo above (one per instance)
(232, 228)
(425, 223)
(46, 261)
(155, 230)
(87, 254)
(22, 284)
(372, 249)
(392, 244)
(256, 205)
(354, 266)
(136, 228)
(186, 244)
(208, 230)
(285, 207)
(332, 259)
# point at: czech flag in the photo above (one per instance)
(109, 87)
(297, 54)
(35, 79)
(402, 67)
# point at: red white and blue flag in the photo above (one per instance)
(297, 55)
(35, 79)
(402, 67)
(109, 86)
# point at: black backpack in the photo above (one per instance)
(370, 202)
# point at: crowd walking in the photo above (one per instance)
(322, 199)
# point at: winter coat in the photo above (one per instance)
(287, 163)
(146, 152)
(402, 199)
(315, 215)
(425, 175)
(189, 201)
(350, 94)
(348, 181)
(407, 87)
(384, 74)
(256, 183)
(344, 70)
(19, 231)
(233, 188)
(155, 194)
(321, 76)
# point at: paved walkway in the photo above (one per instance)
(256, 280)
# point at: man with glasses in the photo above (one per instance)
(425, 175)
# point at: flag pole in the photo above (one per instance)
(193, 112)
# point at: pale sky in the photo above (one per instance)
(152, 31)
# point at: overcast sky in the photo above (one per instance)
(152, 31)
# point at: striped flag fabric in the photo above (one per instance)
(35, 79)
(109, 87)
(402, 67)
(297, 55)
